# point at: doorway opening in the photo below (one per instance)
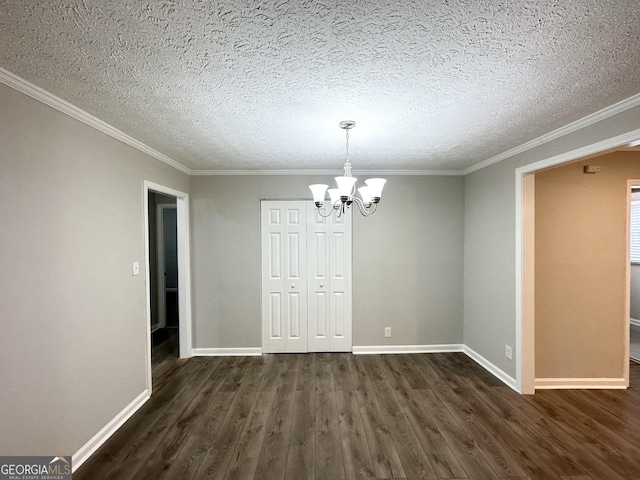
(167, 260)
(163, 280)
(634, 274)
(601, 262)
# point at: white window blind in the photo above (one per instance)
(635, 231)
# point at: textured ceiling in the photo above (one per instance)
(263, 84)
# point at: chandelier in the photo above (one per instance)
(344, 195)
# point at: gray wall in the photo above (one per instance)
(489, 239)
(407, 259)
(72, 347)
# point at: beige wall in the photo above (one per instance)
(580, 316)
(73, 318)
(407, 259)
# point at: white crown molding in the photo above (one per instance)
(606, 112)
(333, 172)
(67, 108)
(580, 383)
(109, 429)
(394, 349)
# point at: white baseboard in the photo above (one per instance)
(109, 429)
(227, 352)
(635, 321)
(383, 349)
(500, 374)
(580, 383)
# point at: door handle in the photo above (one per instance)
(293, 286)
(321, 285)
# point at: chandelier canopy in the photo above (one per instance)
(344, 195)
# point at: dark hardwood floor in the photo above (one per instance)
(340, 416)
(164, 352)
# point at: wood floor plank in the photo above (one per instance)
(444, 363)
(292, 362)
(358, 375)
(244, 459)
(404, 367)
(301, 455)
(465, 448)
(341, 373)
(272, 463)
(495, 453)
(590, 408)
(533, 459)
(324, 373)
(329, 459)
(428, 370)
(174, 438)
(232, 383)
(386, 462)
(617, 402)
(415, 462)
(395, 379)
(601, 441)
(569, 438)
(526, 423)
(194, 449)
(357, 460)
(435, 446)
(219, 454)
(306, 380)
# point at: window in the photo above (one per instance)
(635, 231)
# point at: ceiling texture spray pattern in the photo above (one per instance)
(220, 85)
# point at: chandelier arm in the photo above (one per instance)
(363, 210)
(320, 212)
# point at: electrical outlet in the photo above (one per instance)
(387, 332)
(508, 352)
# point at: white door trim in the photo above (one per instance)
(184, 275)
(525, 342)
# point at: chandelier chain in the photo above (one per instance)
(347, 144)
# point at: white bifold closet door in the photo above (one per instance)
(284, 276)
(306, 279)
(329, 280)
